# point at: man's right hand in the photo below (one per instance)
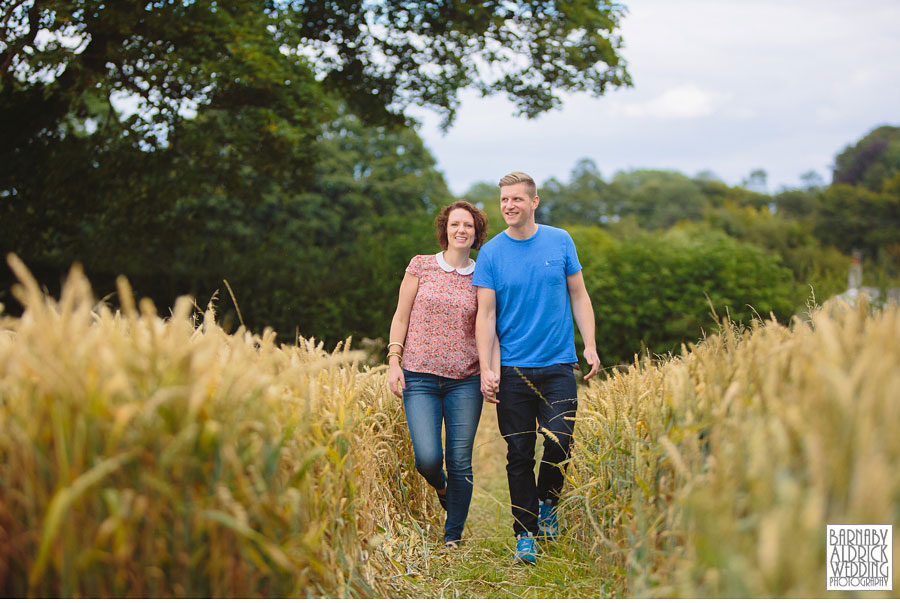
(490, 385)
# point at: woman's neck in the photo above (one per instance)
(457, 257)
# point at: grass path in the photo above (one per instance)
(483, 567)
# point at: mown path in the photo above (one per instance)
(483, 567)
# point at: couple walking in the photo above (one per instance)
(499, 330)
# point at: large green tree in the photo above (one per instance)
(184, 141)
(380, 57)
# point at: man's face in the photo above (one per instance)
(516, 205)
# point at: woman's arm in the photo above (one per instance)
(399, 326)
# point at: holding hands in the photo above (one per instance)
(490, 385)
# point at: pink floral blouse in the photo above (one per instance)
(441, 335)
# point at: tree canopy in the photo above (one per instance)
(379, 57)
(872, 160)
(181, 142)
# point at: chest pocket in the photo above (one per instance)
(554, 271)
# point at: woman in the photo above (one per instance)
(434, 362)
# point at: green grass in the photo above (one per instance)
(483, 566)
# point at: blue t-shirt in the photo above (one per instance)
(534, 313)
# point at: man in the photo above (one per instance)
(529, 284)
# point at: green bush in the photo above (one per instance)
(655, 291)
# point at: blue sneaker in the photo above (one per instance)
(548, 522)
(525, 549)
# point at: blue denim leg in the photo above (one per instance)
(462, 411)
(430, 401)
(424, 408)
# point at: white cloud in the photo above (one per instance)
(685, 101)
(723, 85)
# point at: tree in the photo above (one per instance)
(263, 136)
(791, 240)
(373, 53)
(872, 160)
(812, 180)
(379, 57)
(658, 198)
(858, 218)
(756, 181)
(584, 200)
(796, 203)
(322, 257)
(718, 194)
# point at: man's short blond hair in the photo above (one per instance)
(520, 178)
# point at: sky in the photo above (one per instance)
(727, 86)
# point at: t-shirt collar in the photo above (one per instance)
(439, 256)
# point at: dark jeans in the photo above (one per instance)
(544, 398)
(429, 401)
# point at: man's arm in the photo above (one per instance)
(495, 356)
(584, 318)
(485, 338)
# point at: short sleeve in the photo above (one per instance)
(415, 266)
(573, 266)
(483, 275)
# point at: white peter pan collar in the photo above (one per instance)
(439, 256)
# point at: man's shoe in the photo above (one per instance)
(525, 549)
(548, 521)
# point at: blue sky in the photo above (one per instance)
(722, 85)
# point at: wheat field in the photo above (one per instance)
(162, 457)
(149, 457)
(714, 473)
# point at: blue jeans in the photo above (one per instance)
(533, 398)
(429, 401)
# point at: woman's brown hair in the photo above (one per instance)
(478, 216)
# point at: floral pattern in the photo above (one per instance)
(441, 335)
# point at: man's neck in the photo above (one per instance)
(525, 232)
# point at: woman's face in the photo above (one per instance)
(460, 230)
